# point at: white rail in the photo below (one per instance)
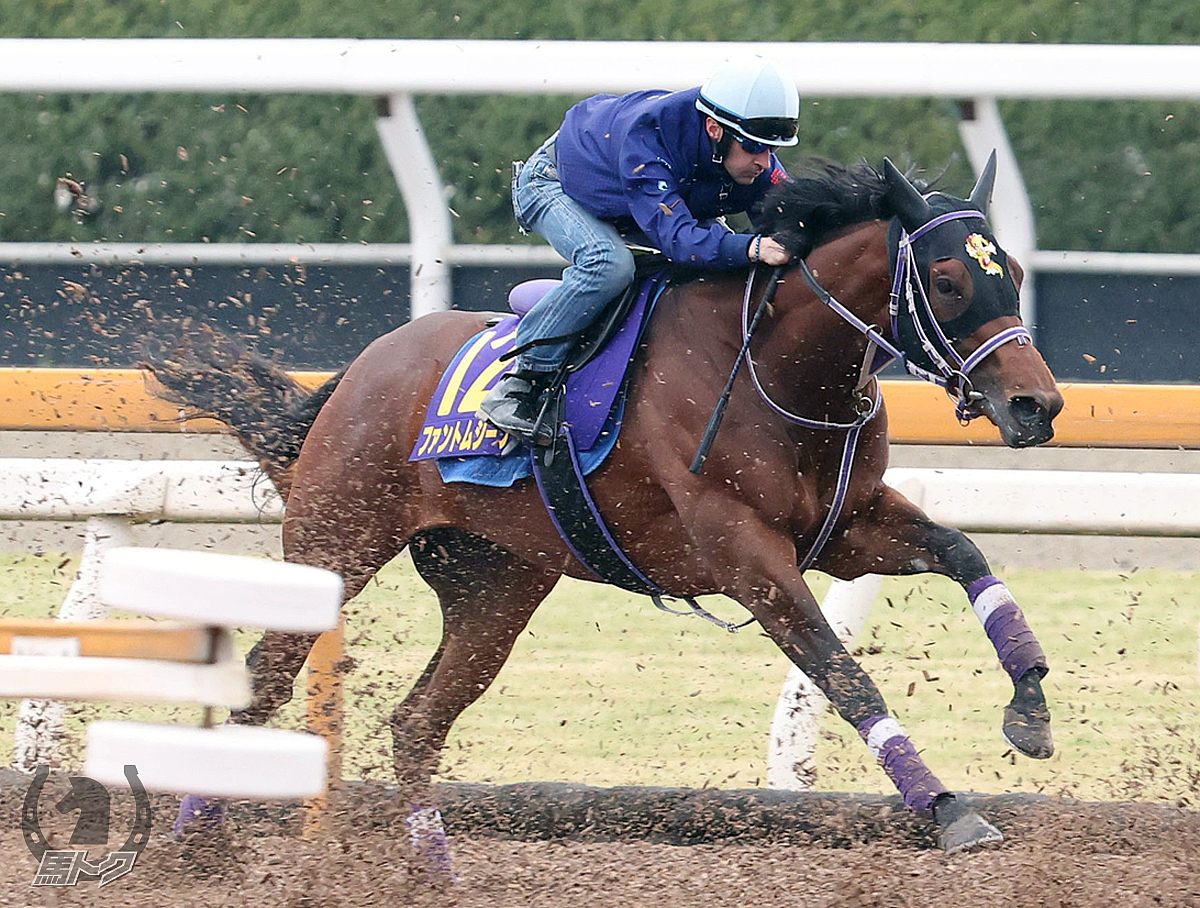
(449, 66)
(1052, 501)
(111, 494)
(974, 74)
(974, 500)
(186, 491)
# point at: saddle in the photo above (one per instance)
(587, 419)
(593, 339)
(560, 476)
(562, 480)
(588, 343)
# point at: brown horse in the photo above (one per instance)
(794, 478)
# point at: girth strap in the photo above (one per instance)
(578, 520)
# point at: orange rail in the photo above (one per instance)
(1094, 415)
(96, 400)
(1099, 415)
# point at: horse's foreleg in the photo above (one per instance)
(899, 539)
(762, 576)
(815, 649)
(791, 617)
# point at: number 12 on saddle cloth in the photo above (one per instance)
(453, 427)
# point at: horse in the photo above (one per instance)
(883, 270)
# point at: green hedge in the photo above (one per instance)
(1102, 175)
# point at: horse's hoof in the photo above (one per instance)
(1027, 729)
(196, 813)
(968, 831)
(431, 847)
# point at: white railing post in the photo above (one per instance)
(39, 722)
(1011, 215)
(429, 226)
(801, 705)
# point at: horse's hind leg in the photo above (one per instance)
(487, 596)
(276, 659)
(274, 662)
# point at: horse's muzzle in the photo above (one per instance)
(1029, 420)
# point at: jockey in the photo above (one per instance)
(658, 167)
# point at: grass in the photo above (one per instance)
(602, 689)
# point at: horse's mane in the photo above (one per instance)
(823, 197)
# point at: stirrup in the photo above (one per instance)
(523, 412)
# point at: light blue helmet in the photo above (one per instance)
(754, 98)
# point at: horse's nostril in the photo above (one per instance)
(1028, 411)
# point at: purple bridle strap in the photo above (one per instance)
(954, 370)
(1017, 333)
(941, 219)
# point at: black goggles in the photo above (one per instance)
(758, 135)
(751, 146)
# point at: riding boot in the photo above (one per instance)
(515, 404)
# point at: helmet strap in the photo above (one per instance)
(721, 146)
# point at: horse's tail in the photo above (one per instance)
(215, 375)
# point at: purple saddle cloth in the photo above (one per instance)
(467, 448)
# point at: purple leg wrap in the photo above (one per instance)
(199, 813)
(428, 838)
(1015, 644)
(890, 745)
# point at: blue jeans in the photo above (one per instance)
(601, 265)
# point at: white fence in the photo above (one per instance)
(974, 500)
(974, 74)
(110, 494)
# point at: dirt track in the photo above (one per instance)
(821, 850)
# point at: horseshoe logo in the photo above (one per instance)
(31, 827)
(91, 798)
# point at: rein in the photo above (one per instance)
(953, 370)
(867, 408)
(718, 414)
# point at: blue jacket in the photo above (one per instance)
(645, 156)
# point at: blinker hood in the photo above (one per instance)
(995, 294)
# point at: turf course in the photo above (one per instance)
(604, 690)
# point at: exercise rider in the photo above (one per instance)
(653, 167)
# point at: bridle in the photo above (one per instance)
(907, 302)
(953, 370)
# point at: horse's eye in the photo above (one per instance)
(944, 285)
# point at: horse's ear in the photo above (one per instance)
(981, 195)
(910, 206)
